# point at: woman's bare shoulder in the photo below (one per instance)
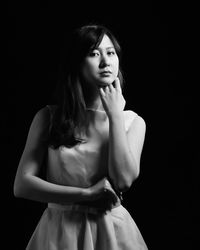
(51, 106)
(41, 119)
(44, 112)
(41, 114)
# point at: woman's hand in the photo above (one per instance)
(102, 195)
(112, 98)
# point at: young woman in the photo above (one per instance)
(91, 147)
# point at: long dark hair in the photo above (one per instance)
(70, 113)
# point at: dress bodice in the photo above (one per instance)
(85, 226)
(85, 163)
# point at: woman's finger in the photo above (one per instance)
(117, 85)
(107, 89)
(102, 92)
(111, 87)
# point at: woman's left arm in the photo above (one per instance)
(125, 147)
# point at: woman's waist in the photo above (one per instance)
(91, 207)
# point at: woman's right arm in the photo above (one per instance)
(27, 182)
(29, 185)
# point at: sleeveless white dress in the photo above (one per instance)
(80, 227)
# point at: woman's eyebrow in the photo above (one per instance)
(111, 47)
(106, 48)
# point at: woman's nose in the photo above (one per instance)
(105, 61)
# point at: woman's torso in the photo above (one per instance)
(87, 162)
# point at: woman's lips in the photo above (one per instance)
(105, 73)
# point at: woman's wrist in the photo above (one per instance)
(86, 194)
(115, 115)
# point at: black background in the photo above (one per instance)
(157, 41)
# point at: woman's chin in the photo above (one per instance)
(104, 83)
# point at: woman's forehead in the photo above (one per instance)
(105, 43)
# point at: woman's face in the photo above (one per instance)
(101, 65)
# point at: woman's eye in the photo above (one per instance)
(94, 53)
(111, 52)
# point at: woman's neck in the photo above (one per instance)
(95, 105)
(92, 97)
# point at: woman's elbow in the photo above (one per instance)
(16, 191)
(20, 188)
(124, 184)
